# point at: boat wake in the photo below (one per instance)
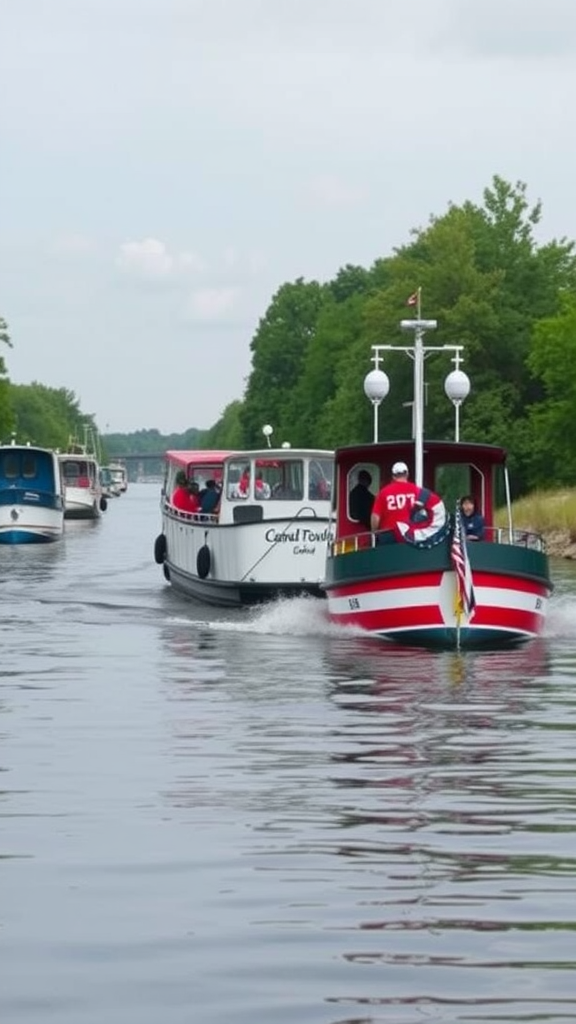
(294, 616)
(561, 620)
(307, 616)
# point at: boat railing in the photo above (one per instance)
(517, 538)
(191, 517)
(528, 539)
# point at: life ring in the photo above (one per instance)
(428, 524)
(103, 504)
(160, 549)
(203, 560)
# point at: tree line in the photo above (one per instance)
(493, 287)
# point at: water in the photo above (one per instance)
(250, 817)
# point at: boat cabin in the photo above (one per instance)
(27, 472)
(79, 472)
(450, 469)
(257, 485)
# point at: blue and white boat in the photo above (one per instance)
(31, 495)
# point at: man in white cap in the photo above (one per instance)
(394, 502)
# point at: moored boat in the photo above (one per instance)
(118, 477)
(267, 536)
(83, 495)
(31, 495)
(432, 587)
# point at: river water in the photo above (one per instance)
(248, 817)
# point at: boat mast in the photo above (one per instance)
(456, 384)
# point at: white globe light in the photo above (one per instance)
(376, 385)
(457, 386)
(267, 430)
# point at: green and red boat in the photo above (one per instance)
(439, 590)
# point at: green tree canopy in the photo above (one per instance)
(45, 416)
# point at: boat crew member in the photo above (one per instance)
(393, 504)
(472, 521)
(361, 500)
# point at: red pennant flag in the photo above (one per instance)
(412, 300)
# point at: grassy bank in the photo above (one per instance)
(551, 513)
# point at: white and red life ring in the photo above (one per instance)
(428, 524)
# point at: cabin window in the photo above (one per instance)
(320, 473)
(29, 466)
(452, 480)
(263, 479)
(10, 466)
(352, 481)
(200, 474)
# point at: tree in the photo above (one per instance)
(6, 412)
(227, 432)
(551, 454)
(279, 349)
(45, 416)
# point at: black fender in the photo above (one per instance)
(166, 572)
(203, 561)
(160, 549)
(103, 504)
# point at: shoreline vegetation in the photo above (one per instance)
(551, 513)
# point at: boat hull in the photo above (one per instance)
(22, 524)
(407, 595)
(244, 564)
(81, 503)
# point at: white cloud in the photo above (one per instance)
(150, 259)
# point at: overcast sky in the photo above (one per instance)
(165, 165)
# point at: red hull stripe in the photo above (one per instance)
(513, 621)
(501, 582)
(429, 579)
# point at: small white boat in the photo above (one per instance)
(83, 497)
(31, 495)
(109, 490)
(118, 477)
(268, 534)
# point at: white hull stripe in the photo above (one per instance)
(402, 597)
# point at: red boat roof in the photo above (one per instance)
(440, 451)
(204, 457)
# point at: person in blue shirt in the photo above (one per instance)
(472, 521)
(209, 498)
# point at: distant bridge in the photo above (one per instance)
(145, 456)
(141, 464)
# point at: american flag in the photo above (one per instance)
(465, 597)
(412, 300)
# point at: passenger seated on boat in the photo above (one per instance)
(261, 489)
(244, 483)
(472, 520)
(318, 487)
(361, 500)
(181, 495)
(209, 498)
(194, 495)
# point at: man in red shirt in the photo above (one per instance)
(394, 502)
